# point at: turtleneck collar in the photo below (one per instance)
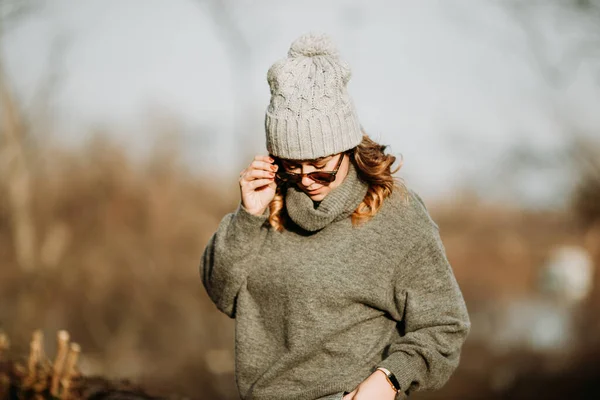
(338, 204)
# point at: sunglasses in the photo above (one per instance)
(322, 177)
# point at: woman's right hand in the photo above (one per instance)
(257, 184)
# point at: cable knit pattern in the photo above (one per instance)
(310, 114)
(337, 205)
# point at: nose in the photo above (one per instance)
(306, 181)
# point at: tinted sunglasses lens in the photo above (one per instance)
(322, 177)
(319, 177)
(289, 177)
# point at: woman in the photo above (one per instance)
(335, 274)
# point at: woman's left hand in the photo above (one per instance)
(375, 387)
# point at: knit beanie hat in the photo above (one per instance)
(310, 114)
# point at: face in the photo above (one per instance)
(317, 190)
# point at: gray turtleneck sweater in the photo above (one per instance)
(319, 306)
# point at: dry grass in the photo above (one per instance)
(119, 247)
(118, 267)
(40, 378)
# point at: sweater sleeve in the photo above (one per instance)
(229, 254)
(432, 318)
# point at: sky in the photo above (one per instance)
(455, 87)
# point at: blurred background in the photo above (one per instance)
(124, 125)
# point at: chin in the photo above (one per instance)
(317, 197)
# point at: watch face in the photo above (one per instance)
(394, 381)
(390, 377)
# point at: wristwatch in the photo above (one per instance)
(391, 378)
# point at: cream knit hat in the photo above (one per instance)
(310, 114)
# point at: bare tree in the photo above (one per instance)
(240, 56)
(14, 168)
(582, 49)
(17, 147)
(577, 24)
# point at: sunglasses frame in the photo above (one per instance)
(292, 177)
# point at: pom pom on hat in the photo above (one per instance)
(313, 44)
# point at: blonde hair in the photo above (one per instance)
(373, 167)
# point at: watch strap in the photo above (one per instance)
(391, 378)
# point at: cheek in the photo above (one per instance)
(335, 183)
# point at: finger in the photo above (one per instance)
(258, 173)
(264, 158)
(256, 164)
(259, 183)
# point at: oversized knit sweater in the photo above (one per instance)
(320, 305)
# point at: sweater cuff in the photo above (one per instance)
(244, 220)
(406, 368)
